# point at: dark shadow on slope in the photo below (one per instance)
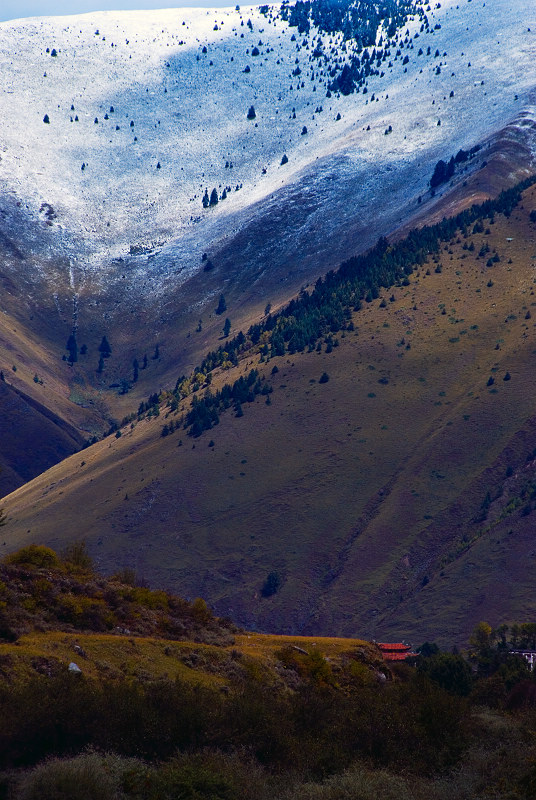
(32, 438)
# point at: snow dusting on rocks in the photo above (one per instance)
(113, 126)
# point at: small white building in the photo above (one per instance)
(528, 655)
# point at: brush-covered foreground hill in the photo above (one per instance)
(182, 704)
(56, 609)
(315, 131)
(377, 478)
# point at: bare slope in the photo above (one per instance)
(357, 492)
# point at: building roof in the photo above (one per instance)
(395, 651)
(397, 656)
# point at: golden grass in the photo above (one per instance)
(262, 645)
(107, 656)
(110, 656)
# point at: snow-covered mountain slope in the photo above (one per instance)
(148, 110)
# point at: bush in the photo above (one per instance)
(451, 672)
(84, 778)
(76, 555)
(324, 378)
(358, 783)
(205, 776)
(271, 584)
(34, 555)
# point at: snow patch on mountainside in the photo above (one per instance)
(147, 110)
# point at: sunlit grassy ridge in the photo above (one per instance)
(57, 609)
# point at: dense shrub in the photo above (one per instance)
(93, 776)
(38, 588)
(316, 730)
(34, 555)
(87, 777)
(451, 672)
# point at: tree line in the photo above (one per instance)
(327, 308)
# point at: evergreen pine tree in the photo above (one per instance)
(104, 348)
(72, 347)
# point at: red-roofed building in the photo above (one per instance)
(395, 651)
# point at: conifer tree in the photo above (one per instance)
(104, 348)
(72, 347)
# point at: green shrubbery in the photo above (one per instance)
(37, 587)
(93, 776)
(315, 730)
(34, 555)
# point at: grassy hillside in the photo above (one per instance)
(360, 493)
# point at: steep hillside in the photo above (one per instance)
(358, 502)
(362, 467)
(359, 118)
(33, 439)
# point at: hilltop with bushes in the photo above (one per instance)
(212, 713)
(39, 589)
